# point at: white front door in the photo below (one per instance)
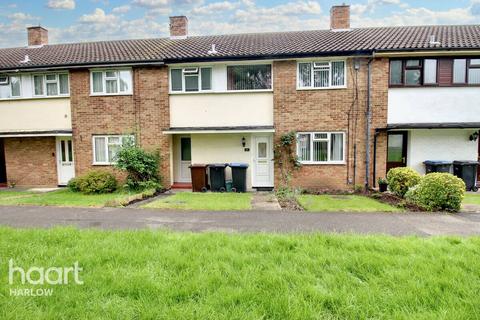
(263, 162)
(65, 164)
(185, 153)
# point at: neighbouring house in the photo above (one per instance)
(361, 101)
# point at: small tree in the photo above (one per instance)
(141, 167)
(286, 158)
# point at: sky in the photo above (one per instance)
(96, 20)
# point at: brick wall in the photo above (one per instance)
(31, 161)
(332, 110)
(144, 114)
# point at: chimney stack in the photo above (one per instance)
(178, 27)
(37, 36)
(340, 17)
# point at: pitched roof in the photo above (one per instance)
(238, 46)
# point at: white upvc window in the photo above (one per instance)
(106, 147)
(50, 85)
(111, 82)
(321, 147)
(321, 74)
(10, 87)
(191, 79)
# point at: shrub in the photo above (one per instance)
(401, 179)
(141, 167)
(75, 184)
(438, 191)
(94, 182)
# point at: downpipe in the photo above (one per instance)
(368, 119)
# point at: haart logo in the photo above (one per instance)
(39, 276)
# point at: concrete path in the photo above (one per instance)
(265, 201)
(250, 221)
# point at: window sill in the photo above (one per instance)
(110, 94)
(220, 92)
(312, 163)
(327, 88)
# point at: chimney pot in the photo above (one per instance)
(340, 17)
(37, 36)
(178, 27)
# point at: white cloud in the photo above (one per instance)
(121, 9)
(20, 16)
(150, 3)
(215, 7)
(98, 17)
(61, 4)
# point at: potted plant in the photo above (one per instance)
(382, 184)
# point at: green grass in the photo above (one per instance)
(204, 201)
(331, 203)
(63, 198)
(161, 275)
(472, 198)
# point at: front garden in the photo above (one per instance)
(166, 275)
(203, 202)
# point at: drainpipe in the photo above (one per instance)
(375, 135)
(368, 116)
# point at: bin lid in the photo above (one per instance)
(238, 165)
(465, 162)
(436, 162)
(198, 165)
(217, 165)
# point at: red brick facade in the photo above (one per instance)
(144, 114)
(333, 110)
(31, 161)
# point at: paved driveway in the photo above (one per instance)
(250, 221)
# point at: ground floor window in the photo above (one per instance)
(320, 147)
(105, 148)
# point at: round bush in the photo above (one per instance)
(94, 182)
(75, 184)
(438, 192)
(401, 179)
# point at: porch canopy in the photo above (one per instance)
(236, 129)
(36, 133)
(443, 125)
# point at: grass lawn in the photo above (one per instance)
(63, 198)
(332, 203)
(204, 201)
(472, 198)
(163, 275)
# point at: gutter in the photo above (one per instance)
(86, 65)
(424, 53)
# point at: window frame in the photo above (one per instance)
(10, 85)
(405, 68)
(329, 141)
(330, 61)
(184, 74)
(45, 81)
(104, 82)
(468, 66)
(107, 163)
(249, 64)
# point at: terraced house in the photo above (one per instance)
(361, 101)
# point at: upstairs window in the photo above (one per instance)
(51, 84)
(320, 147)
(191, 79)
(10, 87)
(413, 72)
(466, 71)
(249, 77)
(321, 74)
(111, 82)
